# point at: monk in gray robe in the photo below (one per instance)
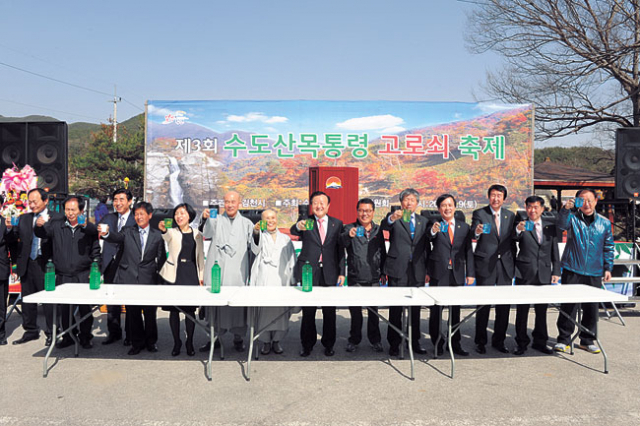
(230, 235)
(273, 267)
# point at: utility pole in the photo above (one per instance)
(115, 101)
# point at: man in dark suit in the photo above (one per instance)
(450, 264)
(538, 263)
(32, 254)
(75, 247)
(111, 254)
(322, 249)
(143, 254)
(406, 264)
(5, 270)
(494, 262)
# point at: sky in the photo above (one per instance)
(65, 59)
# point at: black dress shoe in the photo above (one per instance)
(190, 350)
(3, 341)
(501, 348)
(439, 351)
(47, 341)
(394, 351)
(134, 351)
(176, 348)
(305, 353)
(152, 348)
(329, 352)
(543, 348)
(111, 339)
(86, 344)
(26, 338)
(418, 349)
(238, 345)
(481, 349)
(520, 351)
(459, 351)
(127, 342)
(207, 346)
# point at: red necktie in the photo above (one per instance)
(496, 219)
(323, 233)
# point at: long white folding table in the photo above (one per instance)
(289, 297)
(130, 294)
(519, 295)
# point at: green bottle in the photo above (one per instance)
(307, 277)
(94, 276)
(216, 278)
(50, 277)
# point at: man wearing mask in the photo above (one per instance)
(586, 259)
(111, 254)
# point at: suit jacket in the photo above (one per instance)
(134, 267)
(536, 262)
(111, 251)
(23, 235)
(492, 250)
(312, 247)
(402, 249)
(5, 267)
(460, 253)
(173, 238)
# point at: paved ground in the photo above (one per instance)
(105, 386)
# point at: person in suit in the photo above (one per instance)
(494, 262)
(406, 264)
(111, 254)
(5, 270)
(537, 263)
(322, 249)
(75, 247)
(184, 266)
(32, 254)
(143, 255)
(450, 264)
(366, 254)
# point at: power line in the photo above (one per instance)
(51, 109)
(55, 79)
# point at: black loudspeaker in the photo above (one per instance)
(47, 154)
(627, 162)
(13, 147)
(42, 145)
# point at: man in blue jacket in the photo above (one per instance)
(588, 256)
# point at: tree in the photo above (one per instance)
(577, 61)
(104, 166)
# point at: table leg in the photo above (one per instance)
(54, 332)
(410, 343)
(450, 336)
(212, 338)
(251, 338)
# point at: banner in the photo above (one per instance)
(198, 150)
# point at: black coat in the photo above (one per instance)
(134, 268)
(493, 250)
(402, 248)
(73, 252)
(537, 262)
(111, 251)
(460, 254)
(312, 247)
(23, 236)
(365, 257)
(5, 267)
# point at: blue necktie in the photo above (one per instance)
(412, 227)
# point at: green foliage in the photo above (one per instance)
(589, 158)
(102, 167)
